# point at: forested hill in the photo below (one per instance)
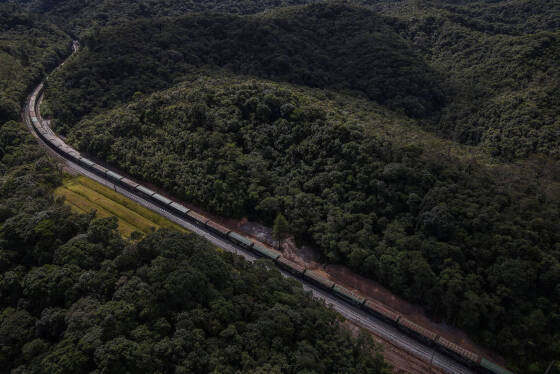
(79, 16)
(476, 246)
(502, 78)
(469, 70)
(332, 46)
(77, 298)
(29, 47)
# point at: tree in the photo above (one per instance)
(280, 228)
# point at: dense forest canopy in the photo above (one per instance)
(28, 48)
(335, 46)
(468, 77)
(475, 243)
(75, 297)
(501, 84)
(432, 228)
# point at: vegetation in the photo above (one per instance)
(462, 239)
(502, 78)
(468, 76)
(476, 243)
(76, 297)
(28, 48)
(280, 228)
(85, 195)
(356, 50)
(80, 16)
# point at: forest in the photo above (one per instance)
(429, 226)
(325, 113)
(29, 47)
(284, 46)
(76, 297)
(465, 77)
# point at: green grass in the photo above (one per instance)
(85, 195)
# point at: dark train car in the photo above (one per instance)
(86, 162)
(240, 239)
(417, 330)
(318, 279)
(265, 252)
(145, 191)
(462, 354)
(381, 311)
(129, 184)
(199, 218)
(179, 208)
(99, 169)
(114, 176)
(162, 199)
(218, 228)
(290, 266)
(347, 295)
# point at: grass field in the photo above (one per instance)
(85, 195)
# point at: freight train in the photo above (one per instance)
(471, 359)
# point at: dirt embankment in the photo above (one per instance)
(368, 288)
(401, 361)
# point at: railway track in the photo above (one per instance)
(350, 311)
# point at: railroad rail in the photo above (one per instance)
(366, 312)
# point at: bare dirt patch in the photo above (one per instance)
(342, 275)
(400, 360)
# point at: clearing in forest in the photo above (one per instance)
(85, 195)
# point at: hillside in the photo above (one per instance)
(332, 46)
(501, 79)
(79, 16)
(28, 48)
(467, 74)
(452, 235)
(416, 142)
(76, 297)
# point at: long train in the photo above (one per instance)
(471, 359)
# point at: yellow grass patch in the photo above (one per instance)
(85, 195)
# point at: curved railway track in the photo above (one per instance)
(332, 295)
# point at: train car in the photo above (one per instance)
(240, 239)
(265, 252)
(461, 353)
(347, 295)
(114, 176)
(145, 191)
(290, 266)
(493, 368)
(99, 169)
(86, 162)
(129, 184)
(162, 199)
(318, 279)
(197, 217)
(218, 228)
(417, 330)
(381, 311)
(75, 154)
(180, 208)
